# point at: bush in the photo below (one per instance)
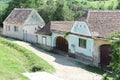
(36, 68)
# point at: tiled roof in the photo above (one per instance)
(56, 26)
(102, 22)
(61, 26)
(18, 16)
(45, 30)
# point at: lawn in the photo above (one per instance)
(15, 60)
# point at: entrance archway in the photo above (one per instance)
(62, 44)
(105, 56)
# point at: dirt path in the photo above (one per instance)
(66, 68)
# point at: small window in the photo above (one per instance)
(84, 26)
(80, 25)
(7, 28)
(44, 40)
(15, 28)
(82, 43)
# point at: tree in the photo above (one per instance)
(50, 2)
(68, 13)
(47, 10)
(59, 12)
(39, 3)
(17, 4)
(118, 7)
(115, 62)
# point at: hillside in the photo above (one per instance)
(15, 60)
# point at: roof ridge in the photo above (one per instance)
(62, 21)
(103, 10)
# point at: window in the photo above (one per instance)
(7, 28)
(82, 43)
(15, 28)
(44, 40)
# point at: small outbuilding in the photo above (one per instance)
(22, 23)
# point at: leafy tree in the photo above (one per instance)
(39, 3)
(115, 63)
(17, 4)
(68, 13)
(59, 12)
(118, 7)
(50, 2)
(47, 10)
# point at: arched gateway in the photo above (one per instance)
(62, 44)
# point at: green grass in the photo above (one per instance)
(15, 60)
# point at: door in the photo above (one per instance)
(105, 55)
(62, 44)
(44, 40)
(24, 35)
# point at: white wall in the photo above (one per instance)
(48, 39)
(30, 28)
(73, 40)
(12, 33)
(81, 28)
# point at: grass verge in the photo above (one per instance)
(14, 60)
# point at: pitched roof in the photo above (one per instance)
(56, 26)
(18, 16)
(45, 30)
(61, 26)
(103, 22)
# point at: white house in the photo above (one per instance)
(22, 23)
(85, 39)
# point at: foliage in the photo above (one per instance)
(16, 60)
(66, 34)
(47, 10)
(60, 9)
(18, 4)
(115, 62)
(118, 7)
(59, 12)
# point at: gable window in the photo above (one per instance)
(7, 28)
(15, 28)
(82, 43)
(44, 40)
